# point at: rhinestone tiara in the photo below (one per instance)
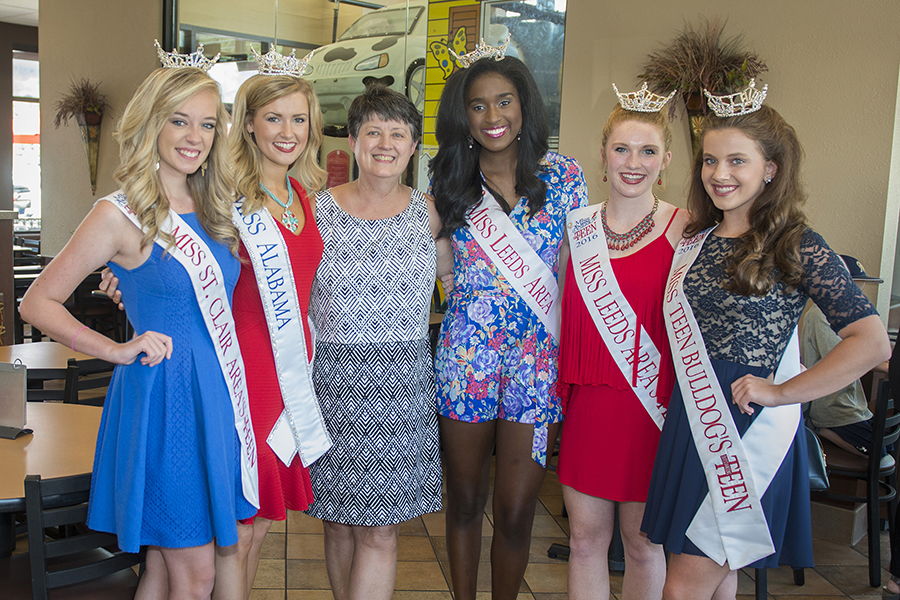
(742, 103)
(643, 100)
(275, 63)
(482, 50)
(174, 60)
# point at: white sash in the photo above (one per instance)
(516, 260)
(194, 255)
(609, 308)
(730, 525)
(300, 429)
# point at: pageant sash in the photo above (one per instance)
(767, 440)
(508, 250)
(301, 428)
(730, 525)
(637, 357)
(209, 286)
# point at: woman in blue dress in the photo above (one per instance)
(167, 471)
(746, 288)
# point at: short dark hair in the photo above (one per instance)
(382, 101)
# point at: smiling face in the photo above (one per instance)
(734, 171)
(634, 156)
(188, 136)
(281, 129)
(494, 112)
(383, 148)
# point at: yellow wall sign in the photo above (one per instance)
(452, 24)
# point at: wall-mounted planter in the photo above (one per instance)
(89, 123)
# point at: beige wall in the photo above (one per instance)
(107, 41)
(833, 74)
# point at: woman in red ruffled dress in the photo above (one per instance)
(609, 435)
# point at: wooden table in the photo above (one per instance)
(45, 360)
(62, 444)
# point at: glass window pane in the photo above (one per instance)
(537, 32)
(26, 168)
(26, 81)
(382, 23)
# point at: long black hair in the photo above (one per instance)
(455, 171)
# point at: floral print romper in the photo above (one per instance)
(495, 359)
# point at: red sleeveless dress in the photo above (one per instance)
(608, 439)
(280, 487)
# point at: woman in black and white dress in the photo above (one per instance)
(373, 369)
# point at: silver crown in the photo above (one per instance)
(643, 100)
(275, 63)
(482, 50)
(742, 103)
(174, 60)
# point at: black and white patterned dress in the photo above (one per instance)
(373, 370)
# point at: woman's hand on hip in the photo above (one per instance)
(154, 346)
(751, 389)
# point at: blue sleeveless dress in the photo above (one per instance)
(167, 463)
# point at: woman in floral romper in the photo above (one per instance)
(496, 362)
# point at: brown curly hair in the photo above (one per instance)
(769, 251)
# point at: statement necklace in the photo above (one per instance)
(624, 241)
(289, 219)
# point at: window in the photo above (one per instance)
(26, 168)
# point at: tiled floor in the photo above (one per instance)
(293, 567)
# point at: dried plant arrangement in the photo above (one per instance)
(83, 98)
(86, 105)
(701, 58)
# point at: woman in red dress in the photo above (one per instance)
(609, 437)
(277, 124)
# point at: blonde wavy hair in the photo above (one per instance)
(770, 250)
(157, 98)
(245, 155)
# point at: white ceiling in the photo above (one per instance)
(20, 12)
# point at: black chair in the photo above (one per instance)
(98, 313)
(761, 591)
(879, 473)
(32, 246)
(36, 392)
(87, 381)
(63, 553)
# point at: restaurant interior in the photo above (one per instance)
(833, 73)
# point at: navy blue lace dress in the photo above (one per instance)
(747, 334)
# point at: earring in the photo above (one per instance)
(519, 135)
(659, 181)
(203, 168)
(768, 180)
(604, 175)
(471, 141)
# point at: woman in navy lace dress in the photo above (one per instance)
(746, 288)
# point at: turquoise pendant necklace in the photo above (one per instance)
(288, 219)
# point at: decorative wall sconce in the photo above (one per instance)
(86, 104)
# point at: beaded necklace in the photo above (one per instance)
(624, 241)
(288, 219)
